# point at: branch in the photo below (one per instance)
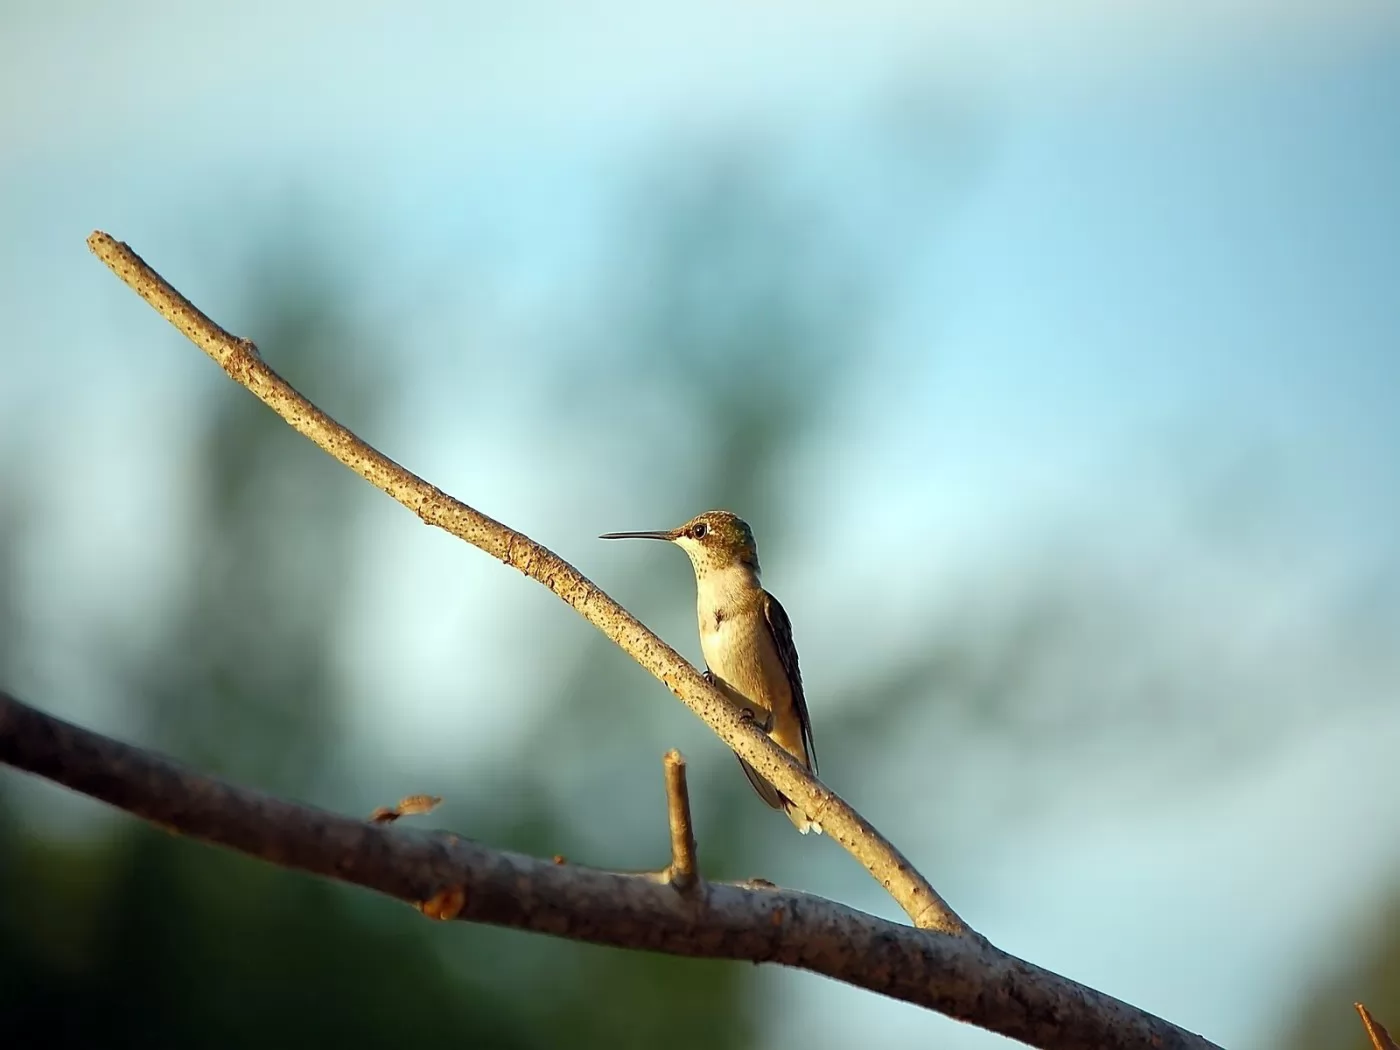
(450, 877)
(1380, 1038)
(683, 870)
(241, 360)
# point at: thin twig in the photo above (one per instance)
(1380, 1038)
(684, 868)
(449, 877)
(240, 359)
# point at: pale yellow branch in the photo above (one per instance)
(241, 360)
(1380, 1038)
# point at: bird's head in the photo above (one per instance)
(714, 540)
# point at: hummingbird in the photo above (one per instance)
(746, 637)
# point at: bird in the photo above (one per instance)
(746, 638)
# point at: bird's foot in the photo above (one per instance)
(750, 717)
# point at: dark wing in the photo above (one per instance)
(766, 791)
(781, 627)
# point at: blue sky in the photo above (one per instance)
(1147, 253)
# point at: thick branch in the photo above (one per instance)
(240, 359)
(450, 877)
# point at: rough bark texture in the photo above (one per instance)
(684, 868)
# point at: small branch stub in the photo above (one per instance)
(445, 905)
(683, 872)
(412, 806)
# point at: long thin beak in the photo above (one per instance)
(637, 536)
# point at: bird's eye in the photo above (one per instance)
(699, 530)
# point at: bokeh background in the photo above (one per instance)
(1052, 350)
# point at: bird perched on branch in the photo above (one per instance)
(746, 637)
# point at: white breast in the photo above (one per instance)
(734, 638)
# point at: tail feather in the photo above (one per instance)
(766, 791)
(778, 800)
